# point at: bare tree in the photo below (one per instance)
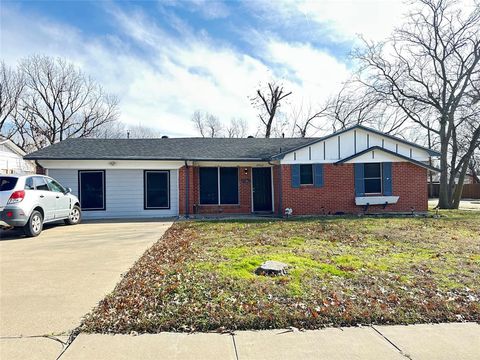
(354, 104)
(11, 88)
(268, 102)
(207, 125)
(304, 117)
(430, 69)
(237, 128)
(213, 125)
(60, 102)
(120, 130)
(199, 123)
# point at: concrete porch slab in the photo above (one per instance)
(460, 341)
(172, 346)
(332, 344)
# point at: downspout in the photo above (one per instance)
(187, 191)
(280, 197)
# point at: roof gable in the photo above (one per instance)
(366, 129)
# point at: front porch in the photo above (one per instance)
(226, 188)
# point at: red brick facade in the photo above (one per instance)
(337, 195)
(245, 194)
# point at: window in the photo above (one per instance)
(218, 186)
(40, 184)
(156, 189)
(229, 185)
(208, 185)
(54, 186)
(7, 183)
(306, 174)
(91, 186)
(29, 184)
(373, 178)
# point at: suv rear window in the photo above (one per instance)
(7, 183)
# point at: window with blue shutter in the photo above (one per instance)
(387, 179)
(318, 175)
(359, 180)
(295, 175)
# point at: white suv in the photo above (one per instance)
(29, 201)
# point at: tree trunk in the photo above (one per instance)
(457, 195)
(443, 195)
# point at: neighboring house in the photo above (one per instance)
(11, 159)
(350, 171)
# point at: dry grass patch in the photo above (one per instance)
(344, 271)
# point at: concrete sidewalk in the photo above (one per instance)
(460, 341)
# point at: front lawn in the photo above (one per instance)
(344, 271)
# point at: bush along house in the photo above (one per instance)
(356, 170)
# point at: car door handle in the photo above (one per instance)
(58, 197)
(42, 196)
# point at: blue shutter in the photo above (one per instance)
(295, 175)
(359, 180)
(318, 175)
(387, 178)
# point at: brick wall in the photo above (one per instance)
(338, 193)
(245, 194)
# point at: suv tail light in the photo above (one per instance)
(16, 197)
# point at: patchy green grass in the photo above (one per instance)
(343, 271)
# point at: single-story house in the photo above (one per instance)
(11, 159)
(355, 170)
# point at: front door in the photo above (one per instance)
(262, 189)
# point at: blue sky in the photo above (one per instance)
(166, 59)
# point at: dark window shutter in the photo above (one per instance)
(295, 175)
(318, 175)
(387, 178)
(359, 180)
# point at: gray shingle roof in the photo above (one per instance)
(196, 149)
(253, 149)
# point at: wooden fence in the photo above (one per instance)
(470, 191)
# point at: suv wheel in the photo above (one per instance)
(34, 225)
(75, 216)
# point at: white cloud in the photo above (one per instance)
(374, 19)
(334, 20)
(161, 78)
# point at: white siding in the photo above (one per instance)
(376, 156)
(12, 162)
(124, 193)
(352, 142)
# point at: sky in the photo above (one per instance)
(166, 59)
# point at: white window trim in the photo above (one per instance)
(145, 187)
(104, 189)
(313, 175)
(374, 178)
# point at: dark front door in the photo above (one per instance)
(262, 189)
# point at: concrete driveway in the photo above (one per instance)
(48, 283)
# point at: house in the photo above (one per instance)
(355, 170)
(11, 159)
